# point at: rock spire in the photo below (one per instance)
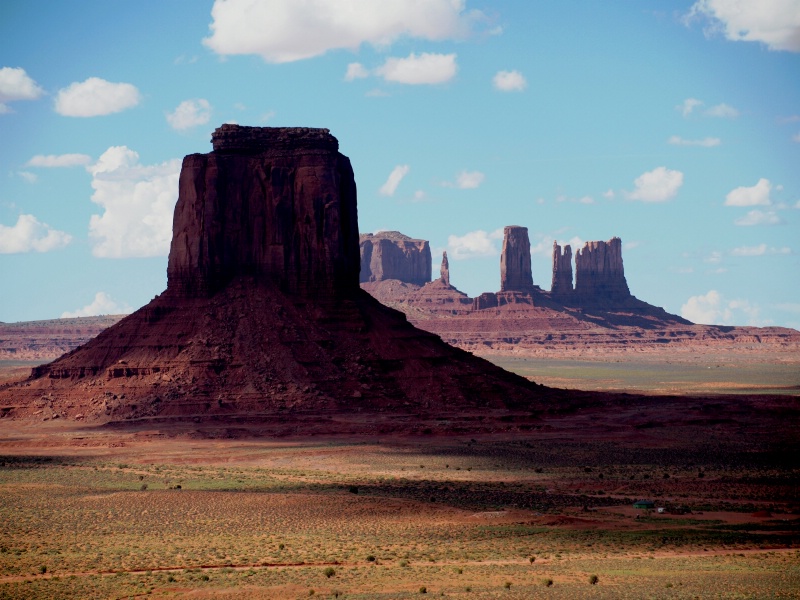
(444, 271)
(562, 271)
(599, 274)
(515, 261)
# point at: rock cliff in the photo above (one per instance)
(562, 272)
(515, 260)
(599, 274)
(392, 255)
(276, 203)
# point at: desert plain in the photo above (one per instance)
(479, 505)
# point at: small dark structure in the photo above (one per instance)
(644, 504)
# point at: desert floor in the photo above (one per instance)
(187, 511)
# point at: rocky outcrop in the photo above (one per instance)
(263, 318)
(392, 255)
(444, 270)
(562, 272)
(276, 203)
(515, 260)
(599, 274)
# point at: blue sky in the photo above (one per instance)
(674, 125)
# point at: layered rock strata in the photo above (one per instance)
(599, 273)
(263, 317)
(392, 255)
(515, 260)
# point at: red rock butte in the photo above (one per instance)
(263, 316)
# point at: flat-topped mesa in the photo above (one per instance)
(515, 261)
(444, 270)
(599, 273)
(562, 272)
(277, 203)
(392, 255)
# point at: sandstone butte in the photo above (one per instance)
(593, 317)
(263, 317)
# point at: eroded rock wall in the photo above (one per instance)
(599, 273)
(392, 255)
(515, 261)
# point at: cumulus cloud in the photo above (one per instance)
(31, 235)
(775, 23)
(509, 81)
(474, 244)
(757, 195)
(96, 97)
(657, 185)
(16, 84)
(28, 176)
(426, 68)
(288, 30)
(356, 71)
(758, 217)
(708, 142)
(59, 160)
(469, 180)
(722, 111)
(394, 179)
(713, 309)
(190, 113)
(103, 304)
(688, 106)
(137, 201)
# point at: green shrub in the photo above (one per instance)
(423, 590)
(593, 579)
(547, 582)
(507, 585)
(371, 558)
(329, 572)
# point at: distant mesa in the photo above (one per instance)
(263, 318)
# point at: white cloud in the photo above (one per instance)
(469, 180)
(426, 68)
(509, 81)
(688, 106)
(708, 142)
(759, 250)
(657, 185)
(775, 23)
(356, 71)
(59, 160)
(95, 97)
(757, 195)
(28, 176)
(190, 113)
(287, 30)
(138, 202)
(609, 194)
(757, 217)
(713, 309)
(474, 244)
(103, 304)
(394, 179)
(722, 111)
(419, 196)
(31, 235)
(377, 93)
(15, 84)
(714, 258)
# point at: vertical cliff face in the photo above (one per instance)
(444, 270)
(515, 261)
(562, 271)
(392, 255)
(277, 203)
(599, 274)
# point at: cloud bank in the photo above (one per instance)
(775, 23)
(103, 304)
(31, 235)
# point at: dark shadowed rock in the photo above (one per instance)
(444, 270)
(392, 255)
(515, 261)
(562, 271)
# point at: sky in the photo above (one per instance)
(672, 124)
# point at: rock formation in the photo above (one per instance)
(274, 203)
(444, 270)
(562, 272)
(392, 255)
(515, 261)
(263, 318)
(599, 274)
